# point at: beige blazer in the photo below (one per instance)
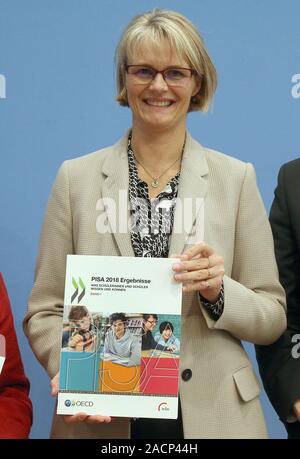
(221, 398)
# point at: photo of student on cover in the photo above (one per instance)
(166, 337)
(148, 341)
(121, 346)
(79, 334)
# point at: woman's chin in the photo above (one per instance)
(159, 122)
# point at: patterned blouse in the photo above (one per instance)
(152, 222)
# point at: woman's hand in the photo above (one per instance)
(79, 417)
(200, 269)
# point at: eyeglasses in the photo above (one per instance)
(173, 76)
(151, 321)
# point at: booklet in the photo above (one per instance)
(120, 337)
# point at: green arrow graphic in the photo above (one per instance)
(76, 290)
(83, 290)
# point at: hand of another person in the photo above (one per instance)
(297, 409)
(79, 417)
(200, 269)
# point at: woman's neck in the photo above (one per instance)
(156, 150)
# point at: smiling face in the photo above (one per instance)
(157, 105)
(167, 333)
(118, 328)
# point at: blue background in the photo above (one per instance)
(57, 58)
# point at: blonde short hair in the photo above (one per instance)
(152, 28)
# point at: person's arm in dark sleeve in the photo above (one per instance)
(280, 372)
(155, 345)
(148, 342)
(15, 405)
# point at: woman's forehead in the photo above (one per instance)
(148, 52)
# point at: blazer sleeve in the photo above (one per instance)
(280, 372)
(15, 405)
(43, 322)
(254, 301)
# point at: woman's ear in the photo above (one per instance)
(197, 86)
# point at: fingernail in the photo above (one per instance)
(176, 266)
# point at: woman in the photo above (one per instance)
(15, 405)
(230, 281)
(165, 337)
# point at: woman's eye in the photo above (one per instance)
(174, 73)
(144, 72)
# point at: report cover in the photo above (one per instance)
(120, 338)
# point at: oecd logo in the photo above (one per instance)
(79, 403)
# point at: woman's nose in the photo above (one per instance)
(159, 82)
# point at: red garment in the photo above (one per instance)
(15, 405)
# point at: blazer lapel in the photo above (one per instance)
(188, 225)
(115, 192)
